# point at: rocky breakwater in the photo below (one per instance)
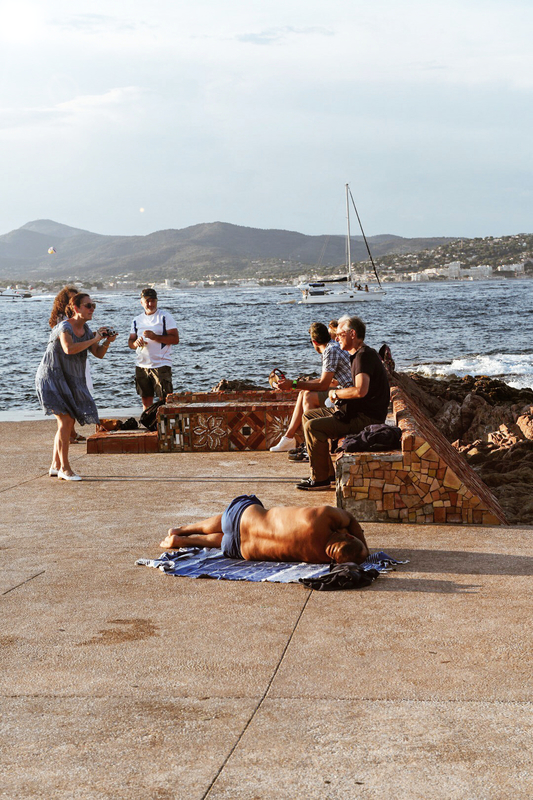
(491, 424)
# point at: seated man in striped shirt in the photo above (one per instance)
(336, 371)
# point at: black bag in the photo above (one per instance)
(129, 424)
(372, 438)
(149, 417)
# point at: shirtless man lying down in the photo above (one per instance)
(248, 530)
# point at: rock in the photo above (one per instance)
(525, 423)
(237, 386)
(491, 424)
(449, 421)
(506, 435)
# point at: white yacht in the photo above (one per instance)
(13, 294)
(344, 288)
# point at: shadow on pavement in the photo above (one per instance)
(392, 584)
(463, 562)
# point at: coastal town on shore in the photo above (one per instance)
(489, 258)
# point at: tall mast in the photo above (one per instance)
(364, 237)
(348, 250)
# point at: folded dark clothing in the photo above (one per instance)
(129, 424)
(342, 576)
(372, 438)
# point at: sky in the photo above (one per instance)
(125, 118)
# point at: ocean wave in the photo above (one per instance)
(514, 369)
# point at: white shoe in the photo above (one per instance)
(283, 445)
(65, 477)
(53, 472)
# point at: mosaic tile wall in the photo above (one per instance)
(207, 421)
(428, 481)
(222, 426)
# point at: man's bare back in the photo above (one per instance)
(313, 535)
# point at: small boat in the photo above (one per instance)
(13, 294)
(343, 288)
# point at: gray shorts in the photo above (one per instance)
(150, 381)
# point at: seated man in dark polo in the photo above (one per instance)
(364, 403)
(248, 530)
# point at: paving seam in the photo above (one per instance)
(382, 700)
(155, 479)
(390, 701)
(35, 478)
(262, 699)
(189, 479)
(23, 582)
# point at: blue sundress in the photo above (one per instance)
(60, 380)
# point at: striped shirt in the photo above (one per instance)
(337, 361)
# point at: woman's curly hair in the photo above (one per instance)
(60, 303)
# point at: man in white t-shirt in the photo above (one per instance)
(152, 335)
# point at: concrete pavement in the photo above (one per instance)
(118, 681)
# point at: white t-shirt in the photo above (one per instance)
(154, 354)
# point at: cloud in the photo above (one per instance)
(114, 104)
(95, 24)
(281, 34)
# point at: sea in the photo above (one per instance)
(436, 329)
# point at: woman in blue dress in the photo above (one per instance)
(60, 381)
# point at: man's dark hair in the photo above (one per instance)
(149, 292)
(319, 333)
(355, 324)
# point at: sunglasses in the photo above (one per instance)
(89, 305)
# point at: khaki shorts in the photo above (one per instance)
(150, 381)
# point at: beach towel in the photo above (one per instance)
(209, 562)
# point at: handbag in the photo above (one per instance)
(149, 416)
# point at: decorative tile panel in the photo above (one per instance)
(209, 431)
(223, 425)
(276, 425)
(246, 429)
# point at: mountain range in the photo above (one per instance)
(194, 252)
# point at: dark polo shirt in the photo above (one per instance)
(375, 404)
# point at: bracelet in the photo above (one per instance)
(295, 383)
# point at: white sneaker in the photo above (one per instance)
(283, 445)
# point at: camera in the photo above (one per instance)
(109, 332)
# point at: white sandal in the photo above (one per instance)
(64, 477)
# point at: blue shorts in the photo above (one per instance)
(231, 524)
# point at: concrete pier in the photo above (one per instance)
(118, 681)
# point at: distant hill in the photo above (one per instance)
(194, 252)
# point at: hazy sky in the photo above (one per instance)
(124, 117)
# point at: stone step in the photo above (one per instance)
(122, 442)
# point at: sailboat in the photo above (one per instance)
(343, 289)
